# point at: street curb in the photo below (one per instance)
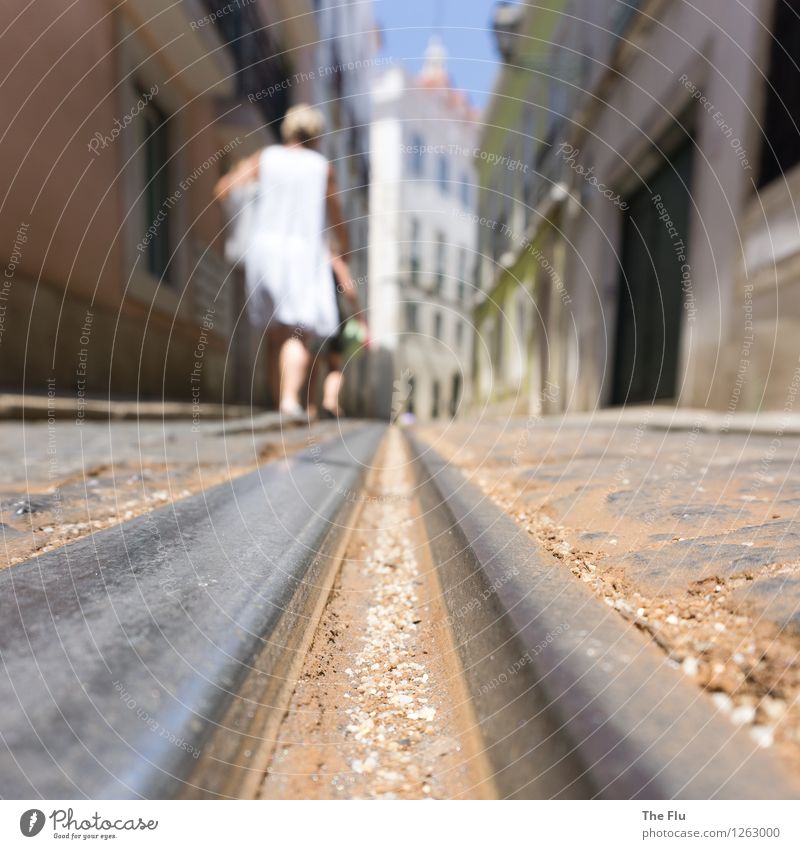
(669, 419)
(572, 701)
(147, 660)
(40, 407)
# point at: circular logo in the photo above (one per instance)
(31, 822)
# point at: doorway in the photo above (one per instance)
(654, 257)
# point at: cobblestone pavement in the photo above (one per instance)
(62, 481)
(691, 535)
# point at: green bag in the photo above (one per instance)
(354, 336)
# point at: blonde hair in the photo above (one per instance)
(302, 124)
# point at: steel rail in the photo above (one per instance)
(145, 661)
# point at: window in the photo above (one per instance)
(417, 146)
(435, 400)
(459, 334)
(462, 275)
(411, 316)
(498, 238)
(157, 200)
(414, 262)
(465, 192)
(498, 344)
(443, 174)
(437, 325)
(440, 262)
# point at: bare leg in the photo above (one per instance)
(313, 381)
(273, 342)
(330, 391)
(333, 386)
(294, 361)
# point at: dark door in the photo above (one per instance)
(455, 398)
(655, 244)
(435, 401)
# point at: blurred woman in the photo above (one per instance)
(287, 261)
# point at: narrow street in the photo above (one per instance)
(416, 611)
(400, 402)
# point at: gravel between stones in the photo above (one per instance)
(378, 710)
(749, 667)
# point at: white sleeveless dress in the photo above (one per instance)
(287, 263)
(240, 206)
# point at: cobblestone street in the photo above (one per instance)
(63, 481)
(688, 533)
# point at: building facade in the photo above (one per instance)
(422, 248)
(116, 278)
(516, 276)
(662, 212)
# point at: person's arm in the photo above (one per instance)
(345, 285)
(336, 222)
(241, 174)
(345, 282)
(339, 250)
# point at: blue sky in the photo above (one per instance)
(465, 30)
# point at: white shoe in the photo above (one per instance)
(293, 412)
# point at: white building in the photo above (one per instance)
(422, 241)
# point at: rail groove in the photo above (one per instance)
(571, 700)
